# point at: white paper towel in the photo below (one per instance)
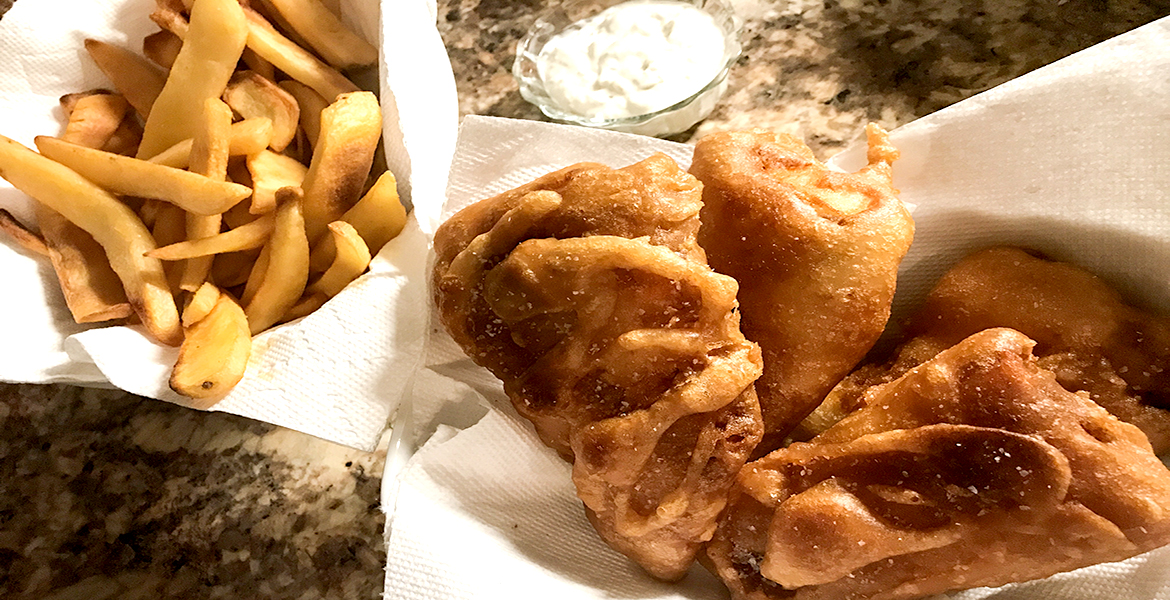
(1072, 160)
(337, 374)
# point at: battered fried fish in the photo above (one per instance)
(816, 254)
(974, 469)
(1085, 333)
(586, 293)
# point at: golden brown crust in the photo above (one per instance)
(974, 469)
(816, 254)
(585, 292)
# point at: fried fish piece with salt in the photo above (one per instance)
(816, 254)
(586, 293)
(1085, 333)
(973, 469)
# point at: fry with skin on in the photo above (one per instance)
(91, 288)
(350, 129)
(253, 96)
(133, 76)
(209, 157)
(287, 270)
(23, 236)
(162, 48)
(311, 104)
(270, 172)
(214, 354)
(93, 119)
(325, 33)
(245, 237)
(352, 259)
(133, 177)
(248, 137)
(231, 269)
(111, 223)
(378, 217)
(211, 49)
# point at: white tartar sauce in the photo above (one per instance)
(632, 59)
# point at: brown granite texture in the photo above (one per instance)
(821, 69)
(106, 495)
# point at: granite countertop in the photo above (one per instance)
(106, 495)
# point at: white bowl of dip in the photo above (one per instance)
(653, 67)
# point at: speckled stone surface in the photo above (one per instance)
(105, 495)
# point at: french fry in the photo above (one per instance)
(91, 289)
(214, 354)
(170, 227)
(352, 259)
(378, 217)
(172, 21)
(298, 63)
(23, 236)
(253, 96)
(231, 269)
(245, 237)
(162, 48)
(126, 137)
(94, 119)
(130, 176)
(215, 39)
(111, 223)
(350, 129)
(287, 270)
(256, 275)
(258, 64)
(324, 32)
(248, 137)
(133, 76)
(200, 304)
(311, 104)
(305, 306)
(270, 172)
(209, 157)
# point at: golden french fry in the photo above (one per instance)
(133, 76)
(253, 96)
(378, 217)
(23, 236)
(270, 172)
(350, 129)
(94, 119)
(111, 223)
(231, 269)
(248, 137)
(256, 275)
(305, 306)
(258, 64)
(298, 63)
(325, 33)
(171, 21)
(200, 304)
(352, 259)
(209, 157)
(211, 49)
(214, 354)
(245, 237)
(287, 269)
(91, 289)
(162, 48)
(170, 227)
(130, 176)
(311, 104)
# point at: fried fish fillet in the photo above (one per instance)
(586, 293)
(973, 469)
(1085, 333)
(816, 254)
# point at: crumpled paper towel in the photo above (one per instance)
(1073, 159)
(337, 374)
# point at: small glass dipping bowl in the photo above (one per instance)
(678, 117)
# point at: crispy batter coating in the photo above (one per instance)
(975, 468)
(585, 292)
(1084, 332)
(816, 254)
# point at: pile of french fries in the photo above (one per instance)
(229, 174)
